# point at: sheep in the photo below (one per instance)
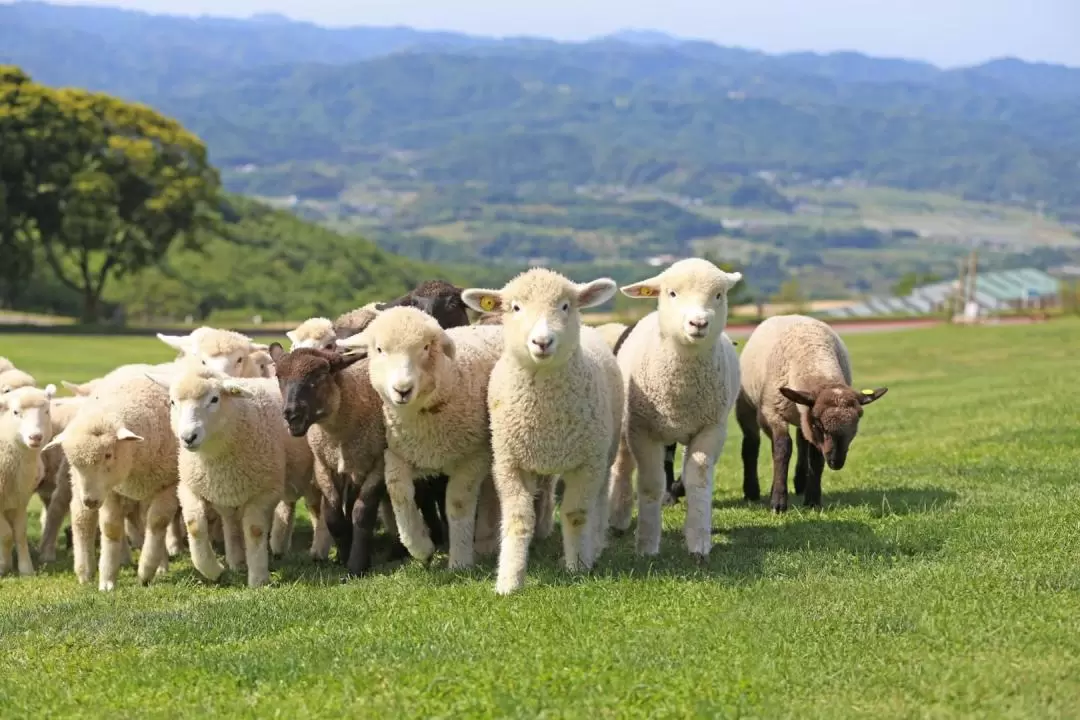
(55, 488)
(315, 332)
(264, 364)
(438, 298)
(354, 321)
(123, 461)
(433, 384)
(682, 376)
(797, 371)
(6, 364)
(226, 351)
(25, 427)
(14, 379)
(556, 405)
(232, 458)
(612, 333)
(329, 399)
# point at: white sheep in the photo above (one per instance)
(556, 404)
(123, 459)
(14, 379)
(25, 428)
(55, 488)
(797, 371)
(433, 383)
(232, 458)
(315, 332)
(681, 374)
(225, 351)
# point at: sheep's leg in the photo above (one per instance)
(154, 559)
(410, 523)
(462, 493)
(544, 507)
(134, 526)
(598, 525)
(670, 498)
(428, 491)
(320, 540)
(197, 523)
(621, 488)
(22, 544)
(84, 525)
(802, 461)
(53, 515)
(487, 518)
(698, 463)
(174, 535)
(781, 457)
(255, 518)
(338, 527)
(281, 531)
(746, 416)
(815, 468)
(386, 513)
(217, 528)
(365, 514)
(7, 544)
(111, 520)
(516, 489)
(233, 529)
(649, 457)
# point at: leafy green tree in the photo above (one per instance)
(106, 186)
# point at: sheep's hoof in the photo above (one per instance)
(779, 507)
(107, 586)
(669, 499)
(700, 558)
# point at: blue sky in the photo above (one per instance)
(945, 32)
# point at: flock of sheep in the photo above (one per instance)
(448, 414)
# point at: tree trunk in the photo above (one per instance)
(91, 304)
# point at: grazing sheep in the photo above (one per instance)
(682, 377)
(313, 333)
(556, 405)
(329, 399)
(225, 351)
(433, 384)
(796, 371)
(232, 458)
(25, 427)
(438, 298)
(123, 460)
(14, 379)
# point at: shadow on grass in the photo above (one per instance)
(881, 502)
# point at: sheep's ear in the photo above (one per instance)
(355, 345)
(160, 379)
(176, 342)
(55, 442)
(483, 300)
(124, 434)
(647, 289)
(236, 389)
(293, 338)
(596, 292)
(868, 396)
(74, 388)
(277, 351)
(341, 361)
(50, 391)
(732, 278)
(797, 396)
(448, 347)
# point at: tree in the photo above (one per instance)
(911, 280)
(106, 186)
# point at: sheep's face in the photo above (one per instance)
(541, 312)
(30, 409)
(222, 351)
(313, 333)
(832, 417)
(406, 351)
(195, 402)
(264, 364)
(101, 453)
(11, 380)
(447, 307)
(327, 341)
(308, 390)
(692, 300)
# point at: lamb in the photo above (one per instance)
(556, 405)
(797, 371)
(225, 351)
(438, 298)
(232, 458)
(315, 332)
(25, 427)
(14, 379)
(329, 399)
(123, 461)
(682, 377)
(354, 321)
(55, 488)
(433, 384)
(264, 364)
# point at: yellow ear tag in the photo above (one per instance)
(487, 303)
(645, 291)
(867, 392)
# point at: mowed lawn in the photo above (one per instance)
(942, 579)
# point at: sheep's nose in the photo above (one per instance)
(699, 323)
(35, 438)
(189, 438)
(542, 343)
(403, 388)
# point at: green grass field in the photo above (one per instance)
(940, 580)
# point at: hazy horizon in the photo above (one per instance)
(947, 33)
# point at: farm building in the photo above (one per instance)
(994, 292)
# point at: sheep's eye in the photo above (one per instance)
(515, 307)
(108, 456)
(172, 403)
(378, 350)
(239, 360)
(566, 307)
(203, 362)
(16, 413)
(671, 293)
(213, 400)
(719, 295)
(427, 347)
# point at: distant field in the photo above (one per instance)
(940, 580)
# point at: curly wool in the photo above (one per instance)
(317, 332)
(20, 466)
